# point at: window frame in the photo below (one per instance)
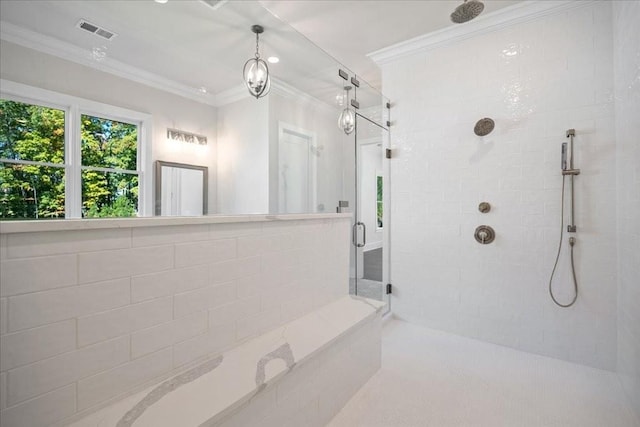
(74, 108)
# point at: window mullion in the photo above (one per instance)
(74, 159)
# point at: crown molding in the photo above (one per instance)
(52, 46)
(278, 87)
(501, 18)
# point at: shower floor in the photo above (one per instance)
(431, 378)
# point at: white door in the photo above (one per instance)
(296, 171)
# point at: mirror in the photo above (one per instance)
(181, 189)
(282, 153)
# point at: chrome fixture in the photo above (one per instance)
(484, 234)
(467, 11)
(182, 136)
(484, 127)
(484, 207)
(256, 71)
(347, 118)
(571, 228)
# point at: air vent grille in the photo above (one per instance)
(214, 4)
(95, 29)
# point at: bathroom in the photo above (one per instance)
(407, 252)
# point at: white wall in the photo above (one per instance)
(37, 69)
(243, 157)
(320, 119)
(626, 39)
(87, 316)
(536, 80)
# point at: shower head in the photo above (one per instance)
(467, 11)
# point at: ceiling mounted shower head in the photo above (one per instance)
(484, 127)
(467, 11)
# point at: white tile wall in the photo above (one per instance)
(536, 80)
(627, 105)
(90, 315)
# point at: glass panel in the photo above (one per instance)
(31, 192)
(31, 132)
(109, 194)
(109, 144)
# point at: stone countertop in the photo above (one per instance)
(8, 227)
(213, 390)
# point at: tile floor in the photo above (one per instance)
(431, 378)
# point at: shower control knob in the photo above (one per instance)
(484, 234)
(484, 207)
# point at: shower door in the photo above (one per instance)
(370, 230)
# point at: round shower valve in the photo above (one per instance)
(484, 234)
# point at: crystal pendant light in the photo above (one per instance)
(256, 71)
(347, 119)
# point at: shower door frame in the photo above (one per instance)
(386, 198)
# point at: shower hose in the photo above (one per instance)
(572, 242)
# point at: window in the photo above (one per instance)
(64, 157)
(379, 203)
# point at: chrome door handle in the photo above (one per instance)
(364, 234)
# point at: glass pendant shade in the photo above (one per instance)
(347, 120)
(256, 71)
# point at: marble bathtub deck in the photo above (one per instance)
(213, 390)
(431, 378)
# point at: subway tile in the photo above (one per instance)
(4, 316)
(155, 338)
(26, 245)
(105, 385)
(217, 339)
(42, 411)
(237, 268)
(226, 231)
(3, 246)
(235, 310)
(122, 321)
(39, 308)
(259, 323)
(40, 377)
(3, 390)
(104, 265)
(155, 236)
(169, 282)
(37, 274)
(205, 298)
(205, 252)
(32, 345)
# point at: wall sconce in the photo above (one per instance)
(256, 71)
(347, 118)
(182, 136)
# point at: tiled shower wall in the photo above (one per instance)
(89, 315)
(627, 101)
(536, 80)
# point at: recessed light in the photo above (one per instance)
(273, 59)
(161, 1)
(203, 90)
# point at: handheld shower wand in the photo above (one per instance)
(571, 228)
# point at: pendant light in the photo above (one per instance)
(256, 71)
(347, 119)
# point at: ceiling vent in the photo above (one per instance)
(93, 28)
(214, 4)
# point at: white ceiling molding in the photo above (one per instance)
(52, 46)
(278, 87)
(287, 91)
(516, 14)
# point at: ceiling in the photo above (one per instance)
(350, 29)
(199, 46)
